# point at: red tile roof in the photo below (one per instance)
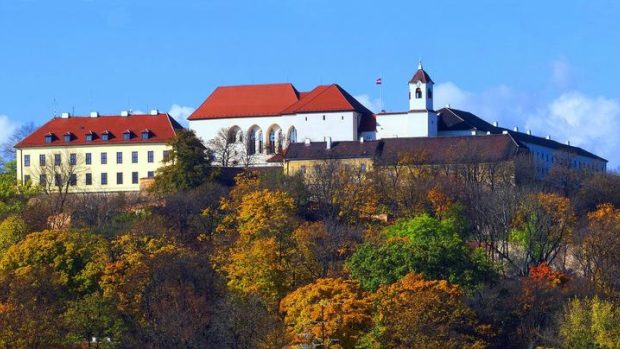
(246, 100)
(274, 100)
(162, 128)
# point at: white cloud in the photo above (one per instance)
(7, 126)
(588, 122)
(373, 104)
(180, 113)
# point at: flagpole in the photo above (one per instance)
(381, 93)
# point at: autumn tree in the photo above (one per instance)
(188, 165)
(590, 323)
(12, 230)
(327, 312)
(419, 313)
(599, 250)
(542, 228)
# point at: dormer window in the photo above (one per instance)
(146, 134)
(90, 137)
(127, 135)
(105, 136)
(49, 138)
(68, 137)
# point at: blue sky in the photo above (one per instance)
(551, 66)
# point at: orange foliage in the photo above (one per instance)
(440, 202)
(419, 313)
(328, 310)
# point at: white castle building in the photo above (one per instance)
(262, 120)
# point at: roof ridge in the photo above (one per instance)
(302, 103)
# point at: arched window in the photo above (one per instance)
(429, 93)
(273, 139)
(292, 135)
(235, 135)
(418, 93)
(255, 141)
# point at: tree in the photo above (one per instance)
(599, 250)
(60, 173)
(12, 230)
(328, 311)
(187, 167)
(590, 323)
(8, 147)
(423, 245)
(32, 300)
(78, 257)
(542, 227)
(418, 313)
(14, 196)
(93, 316)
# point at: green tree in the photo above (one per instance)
(423, 245)
(188, 166)
(14, 196)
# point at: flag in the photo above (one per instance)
(379, 81)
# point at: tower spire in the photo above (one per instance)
(420, 64)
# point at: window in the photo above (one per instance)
(126, 135)
(146, 134)
(150, 156)
(134, 178)
(104, 158)
(119, 157)
(292, 135)
(134, 157)
(104, 178)
(26, 160)
(302, 169)
(166, 155)
(89, 137)
(316, 169)
(323, 117)
(41, 160)
(105, 136)
(57, 159)
(119, 178)
(57, 180)
(89, 179)
(363, 167)
(48, 138)
(72, 159)
(73, 180)
(42, 179)
(89, 158)
(26, 179)
(418, 93)
(68, 138)
(150, 174)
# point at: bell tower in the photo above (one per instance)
(420, 91)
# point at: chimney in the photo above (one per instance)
(361, 139)
(125, 113)
(94, 114)
(154, 112)
(328, 143)
(495, 123)
(488, 133)
(516, 129)
(65, 115)
(505, 132)
(529, 132)
(548, 137)
(448, 106)
(567, 142)
(307, 142)
(473, 133)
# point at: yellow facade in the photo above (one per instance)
(121, 172)
(292, 167)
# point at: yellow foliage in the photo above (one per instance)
(326, 310)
